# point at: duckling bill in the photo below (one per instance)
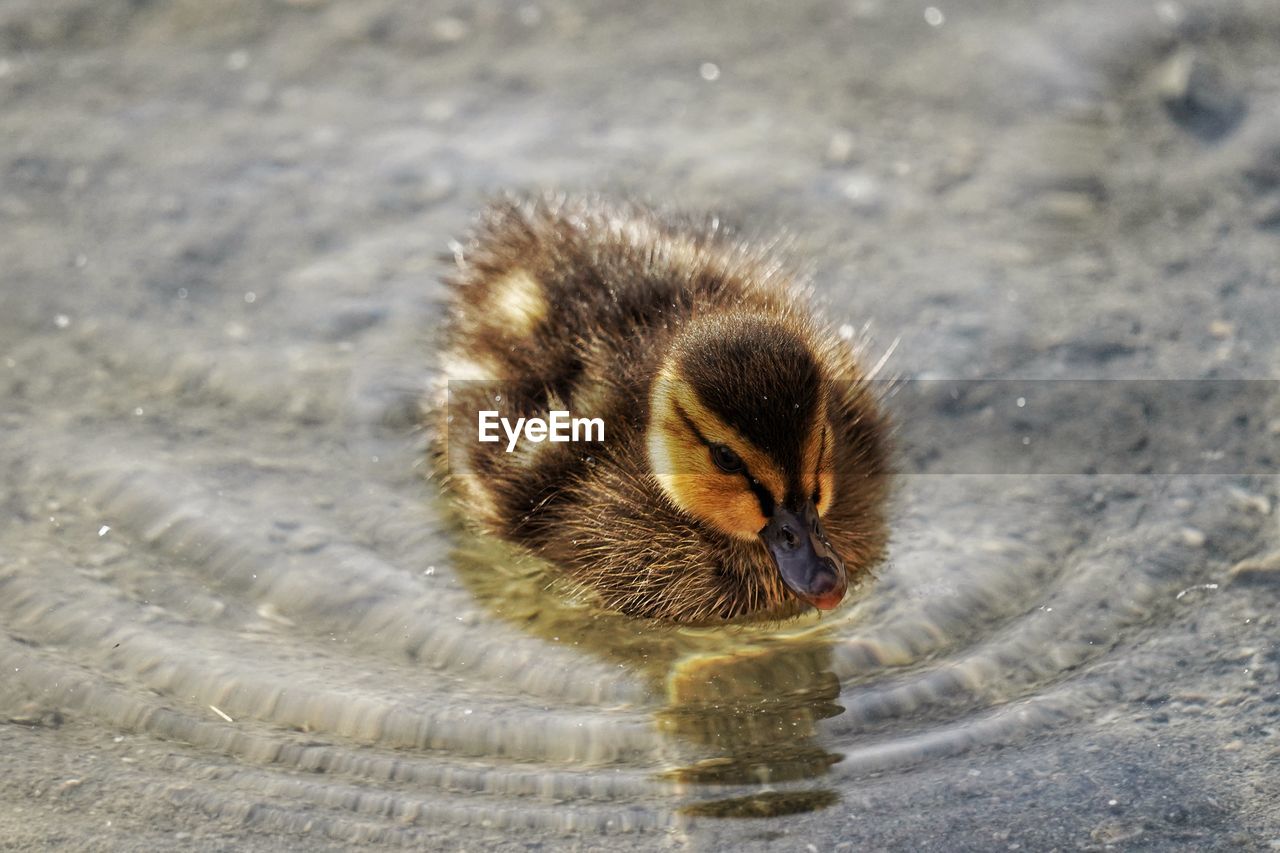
(743, 467)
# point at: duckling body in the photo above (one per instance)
(744, 464)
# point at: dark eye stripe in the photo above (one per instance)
(817, 475)
(688, 422)
(763, 497)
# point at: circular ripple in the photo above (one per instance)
(224, 575)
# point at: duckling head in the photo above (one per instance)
(739, 437)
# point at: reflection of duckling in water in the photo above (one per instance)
(744, 467)
(738, 707)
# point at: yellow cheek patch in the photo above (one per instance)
(819, 456)
(827, 492)
(678, 396)
(723, 505)
(518, 302)
(682, 463)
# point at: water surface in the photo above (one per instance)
(235, 612)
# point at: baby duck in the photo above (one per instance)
(744, 464)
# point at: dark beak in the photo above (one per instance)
(805, 559)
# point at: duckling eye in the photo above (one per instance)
(726, 460)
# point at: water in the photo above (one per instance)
(236, 612)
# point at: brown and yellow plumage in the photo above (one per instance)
(744, 468)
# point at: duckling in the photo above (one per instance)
(744, 463)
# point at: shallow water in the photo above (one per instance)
(235, 612)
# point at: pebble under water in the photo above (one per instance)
(235, 612)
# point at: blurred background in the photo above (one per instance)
(233, 612)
